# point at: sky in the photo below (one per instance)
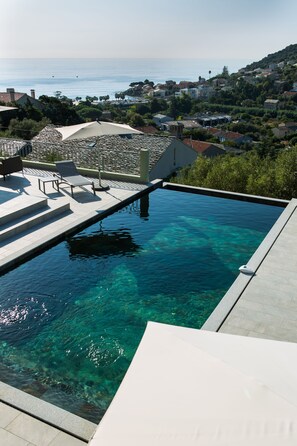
(212, 29)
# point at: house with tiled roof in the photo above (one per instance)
(228, 136)
(160, 119)
(213, 131)
(205, 148)
(150, 129)
(13, 97)
(285, 129)
(176, 128)
(119, 154)
(271, 104)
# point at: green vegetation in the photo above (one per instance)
(248, 173)
(288, 53)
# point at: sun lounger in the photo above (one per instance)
(69, 174)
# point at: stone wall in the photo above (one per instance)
(117, 153)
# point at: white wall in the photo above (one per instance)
(177, 155)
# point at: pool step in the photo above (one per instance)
(28, 221)
(19, 206)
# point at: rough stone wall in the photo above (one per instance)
(117, 153)
(9, 147)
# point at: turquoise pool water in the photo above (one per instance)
(72, 317)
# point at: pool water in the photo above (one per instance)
(72, 317)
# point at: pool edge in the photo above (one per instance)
(229, 300)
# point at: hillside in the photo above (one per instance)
(288, 53)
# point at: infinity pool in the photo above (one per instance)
(71, 318)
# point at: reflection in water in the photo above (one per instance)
(103, 243)
(144, 206)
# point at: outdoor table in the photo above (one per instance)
(43, 180)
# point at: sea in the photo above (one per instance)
(100, 77)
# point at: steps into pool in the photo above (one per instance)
(24, 213)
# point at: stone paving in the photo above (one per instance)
(85, 207)
(20, 429)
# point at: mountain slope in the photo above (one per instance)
(288, 53)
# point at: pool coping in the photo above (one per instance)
(226, 194)
(232, 296)
(48, 413)
(234, 293)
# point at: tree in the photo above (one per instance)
(26, 128)
(136, 120)
(286, 173)
(157, 105)
(173, 107)
(89, 112)
(30, 112)
(225, 72)
(59, 112)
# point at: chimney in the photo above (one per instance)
(32, 94)
(11, 94)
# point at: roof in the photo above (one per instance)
(232, 135)
(5, 97)
(188, 124)
(160, 116)
(119, 153)
(289, 93)
(148, 129)
(213, 130)
(202, 146)
(199, 146)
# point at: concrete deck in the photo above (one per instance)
(85, 208)
(19, 429)
(264, 305)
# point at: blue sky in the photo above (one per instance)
(239, 29)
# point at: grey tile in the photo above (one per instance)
(32, 430)
(8, 439)
(63, 439)
(7, 414)
(79, 426)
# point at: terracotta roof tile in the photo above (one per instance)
(199, 146)
(5, 97)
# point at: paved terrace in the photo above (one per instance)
(29, 221)
(61, 214)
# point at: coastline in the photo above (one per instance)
(97, 77)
